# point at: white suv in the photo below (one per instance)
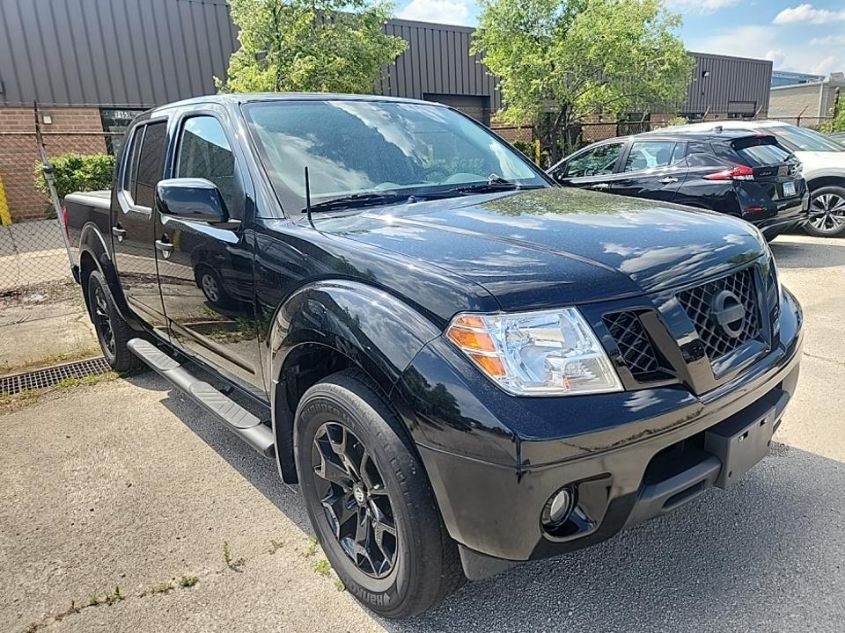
(823, 161)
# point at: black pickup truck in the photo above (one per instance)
(462, 364)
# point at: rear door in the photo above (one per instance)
(651, 169)
(592, 167)
(133, 224)
(206, 270)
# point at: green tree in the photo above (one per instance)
(837, 121)
(310, 45)
(559, 60)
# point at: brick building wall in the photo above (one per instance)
(77, 130)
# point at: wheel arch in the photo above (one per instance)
(826, 180)
(329, 326)
(94, 254)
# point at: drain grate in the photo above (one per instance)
(43, 378)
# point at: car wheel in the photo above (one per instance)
(827, 212)
(211, 285)
(113, 333)
(369, 500)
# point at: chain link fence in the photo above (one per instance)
(33, 257)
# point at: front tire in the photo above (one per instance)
(113, 333)
(369, 500)
(827, 212)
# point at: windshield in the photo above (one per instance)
(358, 148)
(805, 140)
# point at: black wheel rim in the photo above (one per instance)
(354, 500)
(103, 320)
(827, 213)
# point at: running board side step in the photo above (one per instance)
(240, 421)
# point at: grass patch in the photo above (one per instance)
(231, 563)
(338, 584)
(313, 545)
(322, 567)
(188, 581)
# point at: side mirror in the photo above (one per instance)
(191, 199)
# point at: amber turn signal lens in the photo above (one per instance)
(491, 365)
(471, 340)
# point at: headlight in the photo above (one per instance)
(553, 352)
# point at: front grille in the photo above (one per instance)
(635, 346)
(698, 305)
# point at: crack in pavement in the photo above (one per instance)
(825, 358)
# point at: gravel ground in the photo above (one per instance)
(126, 484)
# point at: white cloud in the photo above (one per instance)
(701, 6)
(807, 13)
(440, 11)
(821, 55)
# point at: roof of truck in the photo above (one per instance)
(247, 97)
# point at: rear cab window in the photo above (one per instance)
(146, 163)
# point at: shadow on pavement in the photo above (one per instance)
(809, 253)
(766, 555)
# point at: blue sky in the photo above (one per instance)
(795, 35)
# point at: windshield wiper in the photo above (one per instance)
(492, 185)
(358, 200)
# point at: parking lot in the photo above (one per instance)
(123, 508)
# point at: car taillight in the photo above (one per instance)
(740, 172)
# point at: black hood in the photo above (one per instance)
(552, 247)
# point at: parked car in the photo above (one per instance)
(749, 176)
(839, 137)
(822, 162)
(463, 365)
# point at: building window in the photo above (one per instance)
(115, 123)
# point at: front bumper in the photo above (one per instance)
(494, 460)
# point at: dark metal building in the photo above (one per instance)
(733, 86)
(127, 54)
(124, 54)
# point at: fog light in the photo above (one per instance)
(558, 507)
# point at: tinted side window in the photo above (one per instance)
(701, 155)
(150, 163)
(649, 155)
(204, 152)
(130, 175)
(594, 162)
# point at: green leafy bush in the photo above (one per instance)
(77, 172)
(525, 147)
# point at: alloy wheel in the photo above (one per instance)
(354, 499)
(103, 320)
(209, 287)
(827, 213)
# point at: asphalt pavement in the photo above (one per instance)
(126, 484)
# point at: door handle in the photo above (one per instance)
(668, 180)
(118, 232)
(166, 248)
(601, 186)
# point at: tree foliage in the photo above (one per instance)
(310, 45)
(77, 172)
(559, 60)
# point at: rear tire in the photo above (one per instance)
(113, 333)
(357, 469)
(827, 212)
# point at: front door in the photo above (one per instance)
(590, 168)
(133, 222)
(206, 270)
